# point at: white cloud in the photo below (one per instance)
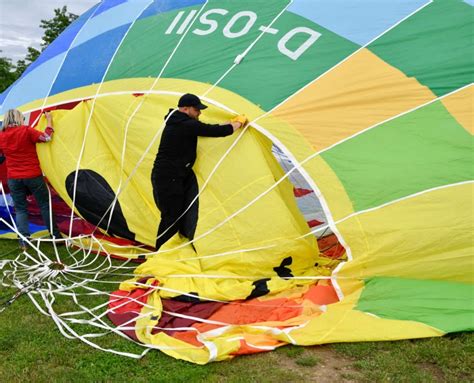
(20, 20)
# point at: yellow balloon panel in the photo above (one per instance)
(461, 106)
(436, 244)
(359, 93)
(342, 323)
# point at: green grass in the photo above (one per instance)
(450, 358)
(32, 349)
(307, 361)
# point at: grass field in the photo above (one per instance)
(33, 350)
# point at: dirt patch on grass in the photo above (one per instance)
(320, 364)
(435, 372)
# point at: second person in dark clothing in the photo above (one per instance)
(173, 180)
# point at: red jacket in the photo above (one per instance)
(18, 144)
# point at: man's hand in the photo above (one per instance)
(239, 121)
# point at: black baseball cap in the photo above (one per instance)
(189, 99)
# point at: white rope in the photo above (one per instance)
(137, 108)
(81, 153)
(49, 289)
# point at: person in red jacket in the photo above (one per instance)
(18, 144)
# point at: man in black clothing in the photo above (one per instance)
(173, 180)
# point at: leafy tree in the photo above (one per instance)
(32, 54)
(7, 74)
(53, 28)
(20, 67)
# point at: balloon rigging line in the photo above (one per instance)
(127, 301)
(142, 100)
(112, 205)
(69, 333)
(252, 277)
(63, 326)
(81, 153)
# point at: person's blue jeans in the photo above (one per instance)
(19, 189)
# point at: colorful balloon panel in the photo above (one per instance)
(371, 100)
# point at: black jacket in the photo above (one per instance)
(177, 151)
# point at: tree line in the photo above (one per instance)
(10, 72)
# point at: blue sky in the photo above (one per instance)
(20, 19)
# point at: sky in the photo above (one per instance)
(20, 20)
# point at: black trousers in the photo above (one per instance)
(173, 195)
